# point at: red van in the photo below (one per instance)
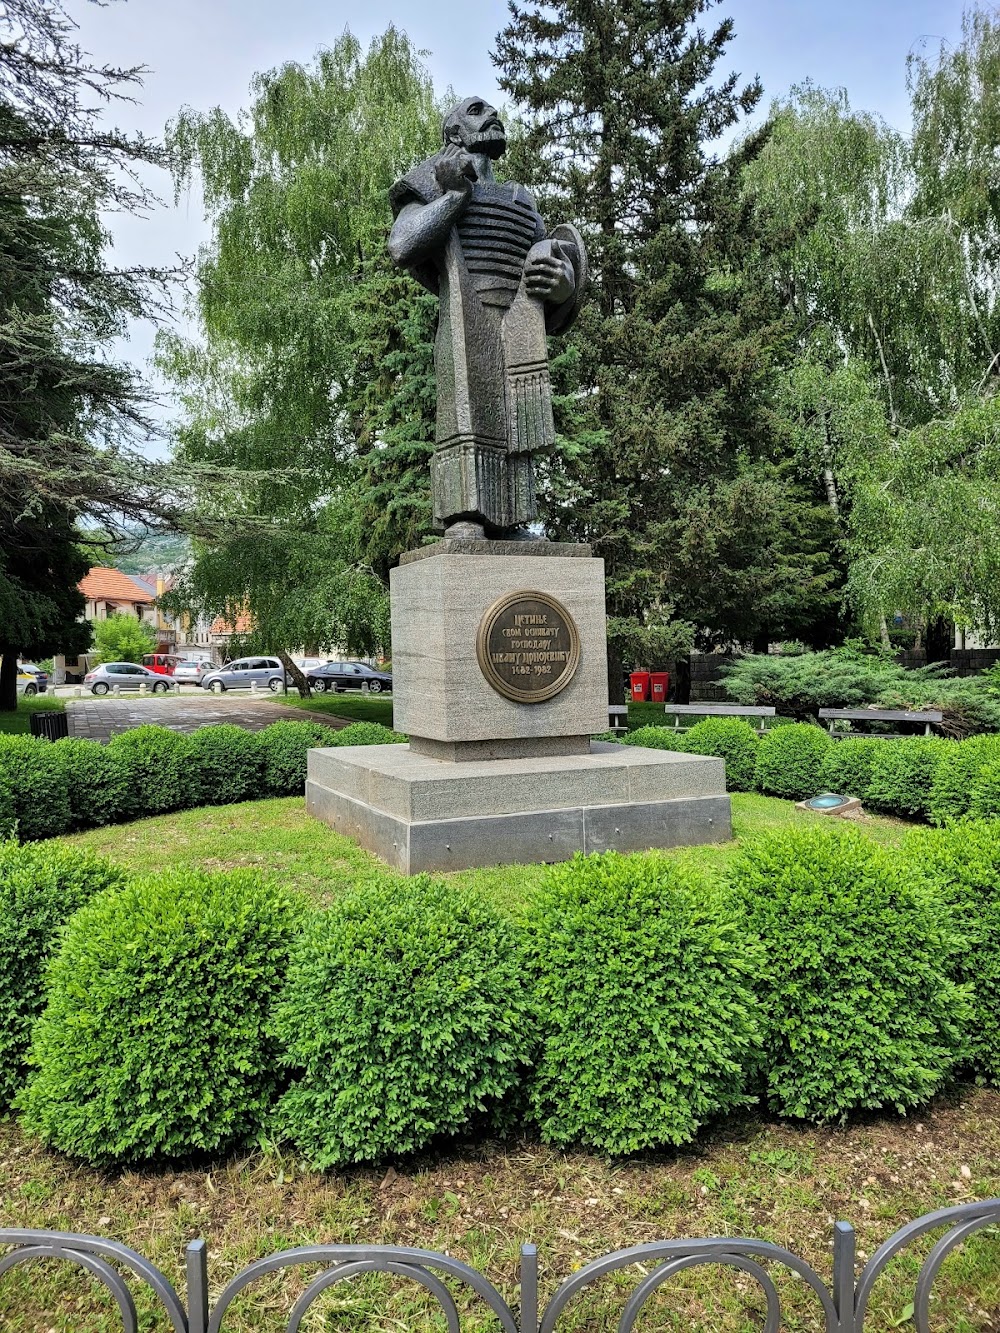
(162, 663)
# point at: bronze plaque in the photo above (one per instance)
(528, 647)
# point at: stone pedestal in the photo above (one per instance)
(487, 778)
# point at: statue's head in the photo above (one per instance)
(475, 126)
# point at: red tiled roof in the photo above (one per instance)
(222, 626)
(103, 585)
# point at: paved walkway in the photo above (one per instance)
(100, 719)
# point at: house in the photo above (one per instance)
(109, 592)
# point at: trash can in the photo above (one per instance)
(659, 683)
(52, 726)
(639, 682)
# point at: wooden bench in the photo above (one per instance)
(718, 710)
(898, 715)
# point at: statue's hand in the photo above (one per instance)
(456, 174)
(549, 277)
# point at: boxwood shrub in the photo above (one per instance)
(160, 771)
(152, 1044)
(955, 778)
(37, 787)
(642, 990)
(228, 764)
(859, 1009)
(903, 772)
(284, 747)
(41, 886)
(790, 761)
(984, 801)
(963, 865)
(657, 738)
(8, 816)
(98, 783)
(368, 733)
(847, 766)
(404, 1015)
(729, 738)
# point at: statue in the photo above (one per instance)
(481, 247)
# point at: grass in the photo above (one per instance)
(279, 838)
(19, 724)
(357, 707)
(480, 1201)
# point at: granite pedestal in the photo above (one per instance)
(487, 780)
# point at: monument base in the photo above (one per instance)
(421, 813)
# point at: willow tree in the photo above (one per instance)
(311, 369)
(890, 274)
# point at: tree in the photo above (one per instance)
(72, 421)
(313, 371)
(669, 462)
(122, 638)
(889, 273)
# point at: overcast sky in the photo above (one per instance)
(203, 53)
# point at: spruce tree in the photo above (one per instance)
(670, 462)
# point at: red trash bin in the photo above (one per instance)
(639, 681)
(660, 682)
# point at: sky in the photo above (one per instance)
(204, 53)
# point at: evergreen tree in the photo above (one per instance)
(669, 454)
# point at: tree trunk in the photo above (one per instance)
(683, 683)
(8, 680)
(298, 678)
(616, 682)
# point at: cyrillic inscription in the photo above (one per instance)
(528, 647)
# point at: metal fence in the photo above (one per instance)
(842, 1309)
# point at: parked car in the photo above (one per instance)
(339, 676)
(191, 670)
(35, 680)
(241, 674)
(310, 663)
(162, 664)
(127, 676)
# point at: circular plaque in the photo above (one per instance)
(528, 647)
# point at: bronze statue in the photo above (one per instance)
(481, 247)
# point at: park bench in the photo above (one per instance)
(618, 717)
(718, 710)
(897, 715)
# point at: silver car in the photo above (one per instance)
(127, 676)
(191, 670)
(246, 671)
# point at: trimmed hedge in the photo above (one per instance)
(962, 863)
(643, 1004)
(857, 1002)
(657, 738)
(729, 738)
(40, 888)
(160, 768)
(984, 802)
(228, 762)
(36, 787)
(284, 747)
(955, 779)
(903, 773)
(152, 1045)
(97, 782)
(847, 767)
(404, 1015)
(790, 761)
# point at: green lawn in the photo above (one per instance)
(18, 724)
(279, 838)
(358, 707)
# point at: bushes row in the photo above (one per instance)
(49, 789)
(191, 1012)
(917, 777)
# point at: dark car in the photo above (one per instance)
(338, 676)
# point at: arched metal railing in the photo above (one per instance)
(842, 1308)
